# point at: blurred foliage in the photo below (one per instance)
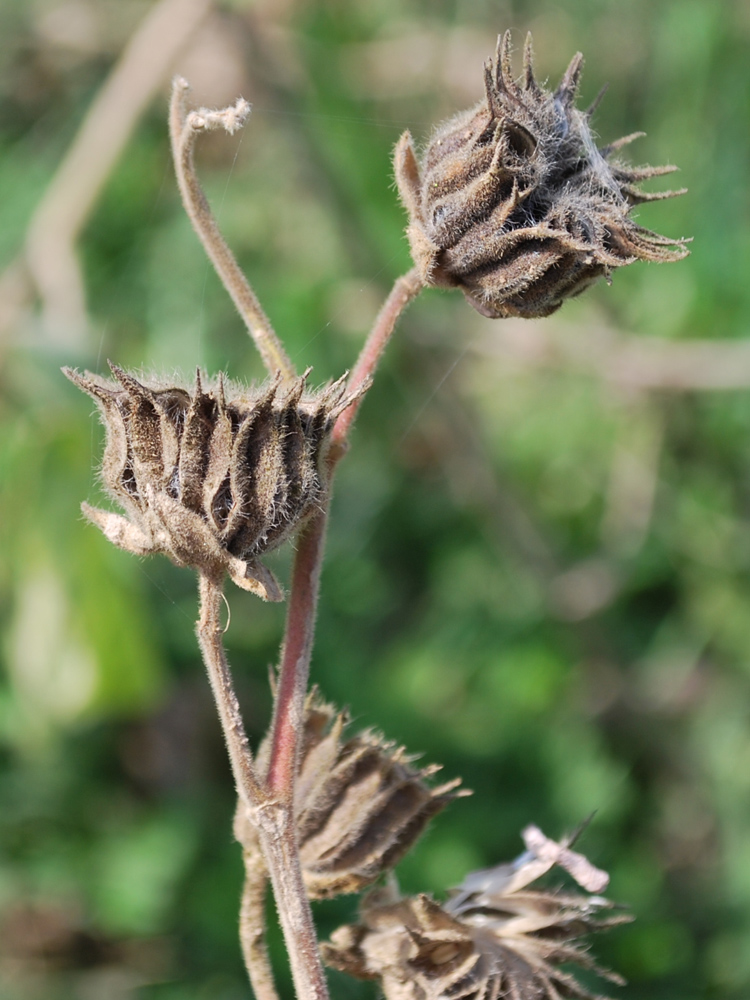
(534, 577)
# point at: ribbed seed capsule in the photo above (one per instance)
(494, 938)
(360, 804)
(214, 477)
(513, 202)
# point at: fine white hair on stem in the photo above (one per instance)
(184, 128)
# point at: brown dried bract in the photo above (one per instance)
(513, 202)
(209, 478)
(360, 804)
(495, 938)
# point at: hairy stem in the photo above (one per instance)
(275, 822)
(295, 660)
(278, 840)
(210, 634)
(253, 928)
(405, 290)
(184, 129)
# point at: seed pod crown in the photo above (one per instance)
(513, 202)
(360, 804)
(214, 477)
(494, 938)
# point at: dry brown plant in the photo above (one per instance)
(514, 205)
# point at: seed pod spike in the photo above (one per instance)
(589, 112)
(102, 393)
(130, 383)
(529, 80)
(568, 86)
(406, 171)
(610, 148)
(636, 197)
(504, 65)
(491, 91)
(645, 173)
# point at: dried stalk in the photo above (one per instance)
(274, 820)
(405, 290)
(253, 928)
(210, 632)
(271, 809)
(295, 661)
(184, 129)
(294, 673)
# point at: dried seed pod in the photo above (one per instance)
(513, 202)
(214, 477)
(493, 938)
(360, 804)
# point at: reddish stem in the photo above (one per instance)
(295, 661)
(303, 600)
(405, 289)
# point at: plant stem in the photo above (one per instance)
(405, 290)
(210, 634)
(303, 599)
(295, 660)
(183, 129)
(253, 928)
(274, 820)
(277, 832)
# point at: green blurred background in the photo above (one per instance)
(538, 566)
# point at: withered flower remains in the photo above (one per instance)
(513, 202)
(360, 804)
(214, 477)
(494, 938)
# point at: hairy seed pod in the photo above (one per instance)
(494, 937)
(513, 202)
(214, 477)
(360, 804)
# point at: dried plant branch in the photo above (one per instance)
(253, 928)
(405, 290)
(210, 632)
(295, 661)
(277, 835)
(273, 819)
(300, 627)
(49, 256)
(184, 129)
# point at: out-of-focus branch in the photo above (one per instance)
(629, 361)
(49, 257)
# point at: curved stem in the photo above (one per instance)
(210, 633)
(253, 928)
(183, 130)
(405, 290)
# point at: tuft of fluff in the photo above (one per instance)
(212, 477)
(514, 203)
